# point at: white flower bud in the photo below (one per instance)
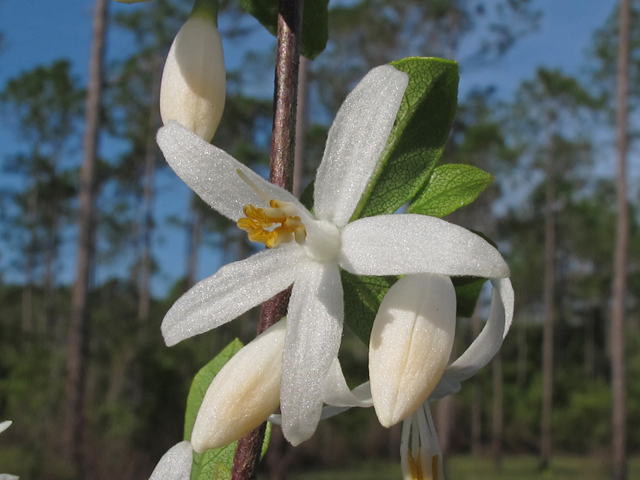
(410, 344)
(243, 394)
(192, 91)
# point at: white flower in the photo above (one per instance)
(175, 464)
(415, 326)
(310, 249)
(243, 394)
(5, 476)
(192, 91)
(410, 344)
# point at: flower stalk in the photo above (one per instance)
(281, 174)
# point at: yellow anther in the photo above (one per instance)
(257, 221)
(415, 466)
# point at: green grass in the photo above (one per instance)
(465, 467)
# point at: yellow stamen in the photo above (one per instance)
(415, 467)
(257, 221)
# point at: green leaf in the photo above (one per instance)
(315, 21)
(467, 293)
(418, 137)
(213, 464)
(450, 187)
(362, 297)
(201, 383)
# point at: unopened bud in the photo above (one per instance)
(243, 394)
(192, 91)
(410, 345)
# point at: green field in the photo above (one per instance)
(465, 467)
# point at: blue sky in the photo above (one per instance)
(41, 31)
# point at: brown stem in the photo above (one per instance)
(281, 163)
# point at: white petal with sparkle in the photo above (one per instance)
(403, 244)
(356, 140)
(311, 344)
(212, 173)
(233, 290)
(487, 344)
(336, 391)
(175, 464)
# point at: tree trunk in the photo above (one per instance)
(522, 357)
(620, 259)
(547, 348)
(30, 260)
(151, 153)
(498, 420)
(77, 340)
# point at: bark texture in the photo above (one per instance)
(618, 374)
(547, 342)
(77, 340)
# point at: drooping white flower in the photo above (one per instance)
(192, 91)
(243, 394)
(5, 476)
(410, 329)
(410, 344)
(309, 249)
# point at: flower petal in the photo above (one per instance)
(409, 243)
(4, 425)
(411, 343)
(243, 394)
(213, 173)
(487, 344)
(175, 464)
(357, 137)
(233, 290)
(314, 330)
(336, 391)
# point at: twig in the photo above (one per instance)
(281, 162)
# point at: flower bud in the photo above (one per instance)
(192, 91)
(410, 345)
(243, 394)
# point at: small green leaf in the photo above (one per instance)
(362, 297)
(418, 137)
(315, 22)
(450, 187)
(201, 383)
(467, 293)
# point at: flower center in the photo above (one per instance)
(282, 222)
(258, 221)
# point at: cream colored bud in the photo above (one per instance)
(410, 345)
(243, 394)
(192, 91)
